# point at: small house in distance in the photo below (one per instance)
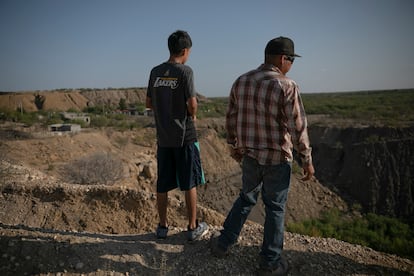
(148, 112)
(60, 128)
(76, 116)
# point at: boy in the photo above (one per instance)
(172, 97)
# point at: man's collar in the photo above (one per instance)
(269, 67)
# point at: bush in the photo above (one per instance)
(98, 110)
(27, 118)
(99, 121)
(80, 122)
(378, 232)
(390, 107)
(216, 108)
(39, 101)
(100, 168)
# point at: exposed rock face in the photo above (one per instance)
(112, 97)
(75, 99)
(374, 166)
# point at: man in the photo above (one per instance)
(172, 97)
(265, 120)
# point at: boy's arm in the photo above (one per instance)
(148, 103)
(192, 107)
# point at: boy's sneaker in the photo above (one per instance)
(198, 232)
(161, 232)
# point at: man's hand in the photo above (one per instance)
(308, 172)
(236, 153)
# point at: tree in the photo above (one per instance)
(122, 104)
(39, 101)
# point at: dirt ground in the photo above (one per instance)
(51, 227)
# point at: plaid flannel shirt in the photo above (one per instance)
(266, 119)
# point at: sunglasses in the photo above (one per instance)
(290, 58)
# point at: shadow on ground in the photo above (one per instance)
(34, 251)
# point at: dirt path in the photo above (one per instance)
(32, 251)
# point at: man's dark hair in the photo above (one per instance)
(178, 41)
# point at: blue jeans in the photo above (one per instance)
(273, 182)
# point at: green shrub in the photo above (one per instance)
(99, 121)
(215, 108)
(80, 122)
(27, 118)
(296, 168)
(53, 118)
(378, 232)
(72, 110)
(390, 107)
(39, 101)
(94, 110)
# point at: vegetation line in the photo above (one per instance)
(381, 233)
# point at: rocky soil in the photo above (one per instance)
(34, 251)
(51, 227)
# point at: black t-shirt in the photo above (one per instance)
(170, 86)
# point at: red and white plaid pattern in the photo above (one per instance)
(266, 118)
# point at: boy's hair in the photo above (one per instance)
(178, 41)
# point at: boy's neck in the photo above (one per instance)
(175, 59)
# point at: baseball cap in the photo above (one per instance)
(281, 46)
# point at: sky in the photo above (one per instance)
(346, 45)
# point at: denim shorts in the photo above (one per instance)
(179, 168)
